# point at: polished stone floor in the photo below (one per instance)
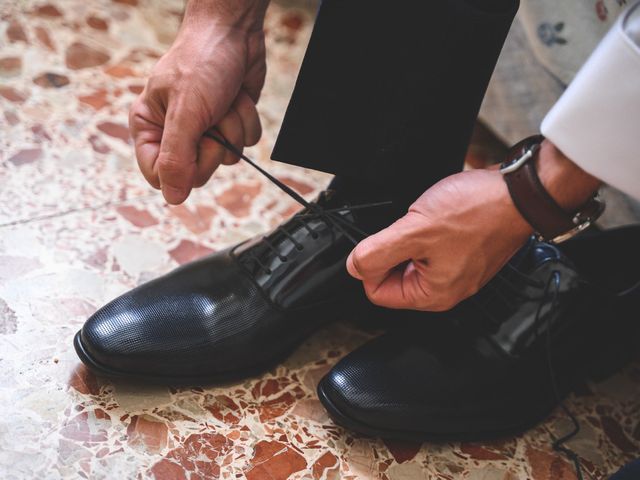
(78, 226)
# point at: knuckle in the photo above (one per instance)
(356, 258)
(373, 296)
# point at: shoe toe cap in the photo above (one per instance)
(191, 323)
(396, 389)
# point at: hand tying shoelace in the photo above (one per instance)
(330, 216)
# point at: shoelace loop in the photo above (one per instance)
(329, 216)
(332, 217)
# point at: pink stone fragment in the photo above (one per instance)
(115, 130)
(48, 10)
(198, 455)
(238, 198)
(403, 451)
(15, 32)
(197, 221)
(40, 134)
(84, 381)
(137, 89)
(292, 21)
(98, 145)
(328, 463)
(547, 465)
(97, 99)
(51, 80)
(10, 66)
(120, 71)
(97, 23)
(187, 251)
(79, 55)
(43, 36)
(300, 187)
(11, 117)
(168, 470)
(147, 432)
(274, 461)
(138, 217)
(12, 94)
(25, 156)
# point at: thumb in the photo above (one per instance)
(178, 154)
(374, 257)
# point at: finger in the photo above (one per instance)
(254, 80)
(388, 292)
(147, 152)
(210, 156)
(178, 153)
(146, 137)
(231, 128)
(375, 256)
(249, 117)
(404, 288)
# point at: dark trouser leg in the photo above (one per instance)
(388, 91)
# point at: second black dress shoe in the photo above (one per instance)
(234, 313)
(502, 360)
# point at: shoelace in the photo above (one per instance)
(558, 443)
(334, 217)
(550, 291)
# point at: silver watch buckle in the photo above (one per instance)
(519, 162)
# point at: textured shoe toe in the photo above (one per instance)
(416, 389)
(187, 324)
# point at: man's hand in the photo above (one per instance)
(211, 76)
(457, 236)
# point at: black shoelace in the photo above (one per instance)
(550, 291)
(553, 282)
(333, 217)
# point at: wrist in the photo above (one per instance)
(246, 16)
(569, 185)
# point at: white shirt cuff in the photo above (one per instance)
(596, 121)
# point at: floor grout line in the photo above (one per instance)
(64, 213)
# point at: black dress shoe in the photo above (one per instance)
(234, 313)
(484, 370)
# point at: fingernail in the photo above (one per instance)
(351, 267)
(174, 196)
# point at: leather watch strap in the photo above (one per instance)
(539, 209)
(535, 204)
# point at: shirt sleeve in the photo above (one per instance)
(596, 121)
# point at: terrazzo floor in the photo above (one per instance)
(78, 226)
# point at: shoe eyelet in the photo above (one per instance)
(315, 236)
(283, 258)
(299, 248)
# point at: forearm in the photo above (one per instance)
(244, 15)
(566, 182)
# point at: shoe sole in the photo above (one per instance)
(415, 436)
(182, 380)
